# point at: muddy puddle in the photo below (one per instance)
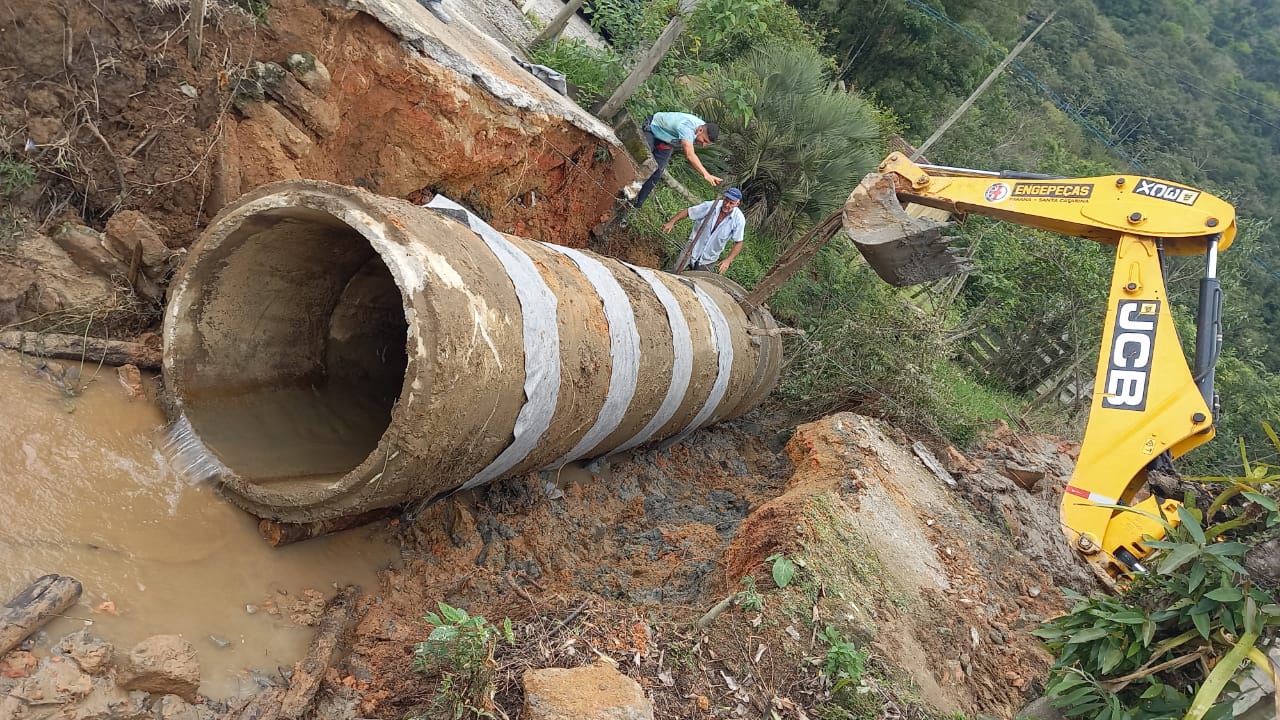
(86, 491)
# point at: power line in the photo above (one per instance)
(1058, 100)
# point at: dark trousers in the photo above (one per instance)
(661, 155)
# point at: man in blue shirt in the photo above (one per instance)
(723, 221)
(663, 131)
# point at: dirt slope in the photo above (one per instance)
(629, 558)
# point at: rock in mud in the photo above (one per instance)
(597, 692)
(131, 379)
(57, 680)
(129, 230)
(92, 654)
(84, 246)
(18, 664)
(318, 114)
(293, 140)
(162, 664)
(106, 701)
(172, 707)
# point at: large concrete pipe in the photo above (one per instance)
(336, 352)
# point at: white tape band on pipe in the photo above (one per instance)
(682, 358)
(541, 345)
(624, 349)
(722, 338)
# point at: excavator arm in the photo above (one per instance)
(1147, 401)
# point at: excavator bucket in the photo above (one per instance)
(903, 250)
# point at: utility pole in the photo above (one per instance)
(552, 31)
(646, 64)
(981, 88)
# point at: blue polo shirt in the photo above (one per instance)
(672, 127)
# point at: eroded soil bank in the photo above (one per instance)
(102, 101)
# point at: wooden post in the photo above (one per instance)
(339, 616)
(794, 258)
(968, 102)
(552, 31)
(642, 70)
(277, 533)
(195, 31)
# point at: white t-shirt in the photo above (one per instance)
(707, 250)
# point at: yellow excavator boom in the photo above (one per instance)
(1147, 401)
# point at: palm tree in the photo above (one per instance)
(805, 142)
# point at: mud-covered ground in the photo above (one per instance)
(619, 564)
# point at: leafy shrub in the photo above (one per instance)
(630, 26)
(1143, 654)
(844, 661)
(805, 143)
(720, 31)
(460, 650)
(15, 176)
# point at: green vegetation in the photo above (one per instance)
(257, 9)
(594, 72)
(15, 176)
(844, 662)
(1145, 652)
(783, 569)
(749, 598)
(459, 651)
(793, 141)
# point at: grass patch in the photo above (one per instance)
(970, 406)
(593, 71)
(15, 176)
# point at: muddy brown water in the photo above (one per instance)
(86, 491)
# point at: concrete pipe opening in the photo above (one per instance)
(335, 352)
(302, 348)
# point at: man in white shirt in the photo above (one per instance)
(726, 222)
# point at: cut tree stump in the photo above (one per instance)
(44, 599)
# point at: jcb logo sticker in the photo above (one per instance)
(1129, 366)
(1165, 191)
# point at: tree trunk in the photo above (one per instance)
(552, 31)
(281, 533)
(79, 347)
(43, 599)
(307, 676)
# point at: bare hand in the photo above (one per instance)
(713, 179)
(723, 267)
(668, 227)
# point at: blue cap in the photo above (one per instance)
(733, 194)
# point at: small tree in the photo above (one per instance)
(790, 137)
